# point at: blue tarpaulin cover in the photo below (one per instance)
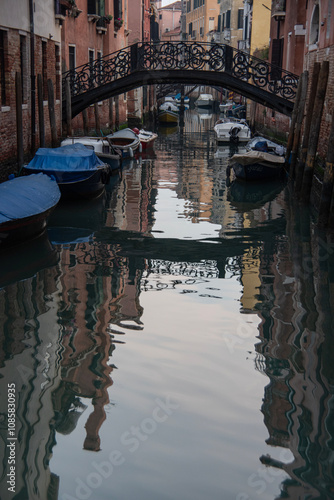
(26, 196)
(72, 158)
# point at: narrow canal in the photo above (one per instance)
(172, 339)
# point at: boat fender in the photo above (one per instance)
(140, 148)
(105, 176)
(131, 152)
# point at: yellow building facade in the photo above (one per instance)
(261, 19)
(201, 19)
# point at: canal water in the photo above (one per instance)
(172, 339)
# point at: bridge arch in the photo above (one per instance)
(184, 63)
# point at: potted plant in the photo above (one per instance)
(118, 23)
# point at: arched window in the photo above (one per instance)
(314, 27)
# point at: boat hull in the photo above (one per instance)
(79, 184)
(258, 171)
(168, 117)
(26, 203)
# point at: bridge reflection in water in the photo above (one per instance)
(213, 64)
(62, 324)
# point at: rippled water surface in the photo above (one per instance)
(172, 339)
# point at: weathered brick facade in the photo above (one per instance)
(305, 36)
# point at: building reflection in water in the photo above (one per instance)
(61, 326)
(295, 352)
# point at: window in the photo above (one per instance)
(3, 40)
(228, 19)
(117, 9)
(96, 7)
(219, 28)
(71, 59)
(190, 28)
(240, 18)
(314, 28)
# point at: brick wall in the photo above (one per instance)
(17, 57)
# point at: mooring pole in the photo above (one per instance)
(299, 121)
(40, 111)
(293, 121)
(328, 182)
(314, 131)
(307, 125)
(19, 122)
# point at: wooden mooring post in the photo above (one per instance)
(293, 121)
(325, 208)
(40, 111)
(85, 121)
(52, 115)
(68, 108)
(314, 131)
(299, 122)
(307, 125)
(19, 122)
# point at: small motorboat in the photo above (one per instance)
(102, 147)
(204, 101)
(126, 141)
(77, 170)
(262, 144)
(25, 205)
(168, 113)
(146, 138)
(229, 130)
(178, 99)
(257, 165)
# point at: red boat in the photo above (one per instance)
(146, 138)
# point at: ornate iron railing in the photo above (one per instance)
(150, 56)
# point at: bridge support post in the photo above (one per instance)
(228, 58)
(134, 56)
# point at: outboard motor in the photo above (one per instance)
(234, 132)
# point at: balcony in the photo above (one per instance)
(278, 9)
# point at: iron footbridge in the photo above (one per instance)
(191, 63)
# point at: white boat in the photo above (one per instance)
(102, 148)
(232, 131)
(168, 113)
(227, 106)
(204, 101)
(126, 140)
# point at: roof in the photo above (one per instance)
(174, 5)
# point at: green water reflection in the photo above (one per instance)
(83, 338)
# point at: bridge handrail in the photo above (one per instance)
(182, 55)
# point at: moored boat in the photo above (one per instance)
(262, 144)
(257, 165)
(77, 170)
(126, 141)
(103, 149)
(146, 138)
(229, 130)
(204, 101)
(168, 113)
(25, 205)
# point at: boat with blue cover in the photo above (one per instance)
(77, 170)
(25, 205)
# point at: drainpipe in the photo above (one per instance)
(32, 77)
